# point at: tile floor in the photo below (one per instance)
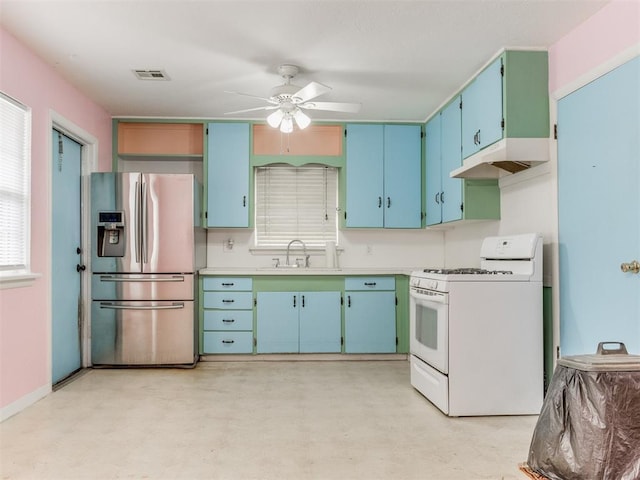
(256, 420)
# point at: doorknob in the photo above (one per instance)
(80, 268)
(633, 267)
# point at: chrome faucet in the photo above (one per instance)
(304, 249)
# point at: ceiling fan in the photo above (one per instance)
(289, 101)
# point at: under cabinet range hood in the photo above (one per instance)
(507, 156)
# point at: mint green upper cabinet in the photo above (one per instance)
(228, 175)
(508, 99)
(383, 176)
(451, 199)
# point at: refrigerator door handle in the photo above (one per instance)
(111, 278)
(112, 306)
(143, 227)
(136, 223)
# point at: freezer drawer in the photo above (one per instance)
(142, 333)
(132, 286)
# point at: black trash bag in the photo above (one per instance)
(589, 427)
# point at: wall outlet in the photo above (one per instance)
(369, 249)
(227, 245)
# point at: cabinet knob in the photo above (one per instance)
(633, 267)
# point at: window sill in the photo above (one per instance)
(17, 279)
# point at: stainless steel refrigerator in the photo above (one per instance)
(147, 247)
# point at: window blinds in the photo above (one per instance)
(296, 202)
(15, 144)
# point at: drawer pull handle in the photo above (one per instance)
(369, 284)
(228, 320)
(228, 301)
(227, 284)
(228, 341)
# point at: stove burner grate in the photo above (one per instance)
(467, 271)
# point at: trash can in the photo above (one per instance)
(589, 424)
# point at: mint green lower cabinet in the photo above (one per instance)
(370, 315)
(298, 322)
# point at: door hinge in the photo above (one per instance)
(502, 70)
(421, 134)
(558, 352)
(341, 340)
(207, 131)
(555, 131)
(460, 104)
(462, 207)
(255, 342)
(345, 132)
(396, 341)
(206, 214)
(396, 300)
(341, 300)
(345, 215)
(255, 302)
(502, 124)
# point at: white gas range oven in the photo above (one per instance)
(476, 334)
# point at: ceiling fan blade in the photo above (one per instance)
(269, 107)
(253, 96)
(312, 90)
(332, 106)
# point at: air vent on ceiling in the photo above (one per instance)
(151, 75)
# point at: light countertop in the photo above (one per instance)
(307, 271)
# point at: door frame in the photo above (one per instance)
(587, 77)
(89, 164)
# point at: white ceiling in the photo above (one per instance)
(399, 59)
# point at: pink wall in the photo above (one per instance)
(24, 312)
(611, 31)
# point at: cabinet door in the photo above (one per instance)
(365, 189)
(228, 175)
(451, 155)
(433, 171)
(370, 322)
(599, 212)
(277, 322)
(482, 110)
(402, 176)
(320, 322)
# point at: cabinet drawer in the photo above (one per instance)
(227, 283)
(370, 283)
(228, 342)
(228, 320)
(228, 300)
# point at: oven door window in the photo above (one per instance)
(427, 327)
(429, 332)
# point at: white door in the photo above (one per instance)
(599, 212)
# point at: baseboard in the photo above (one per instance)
(303, 357)
(24, 402)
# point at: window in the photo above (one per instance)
(15, 162)
(296, 202)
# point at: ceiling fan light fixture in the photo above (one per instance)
(302, 120)
(287, 124)
(275, 118)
